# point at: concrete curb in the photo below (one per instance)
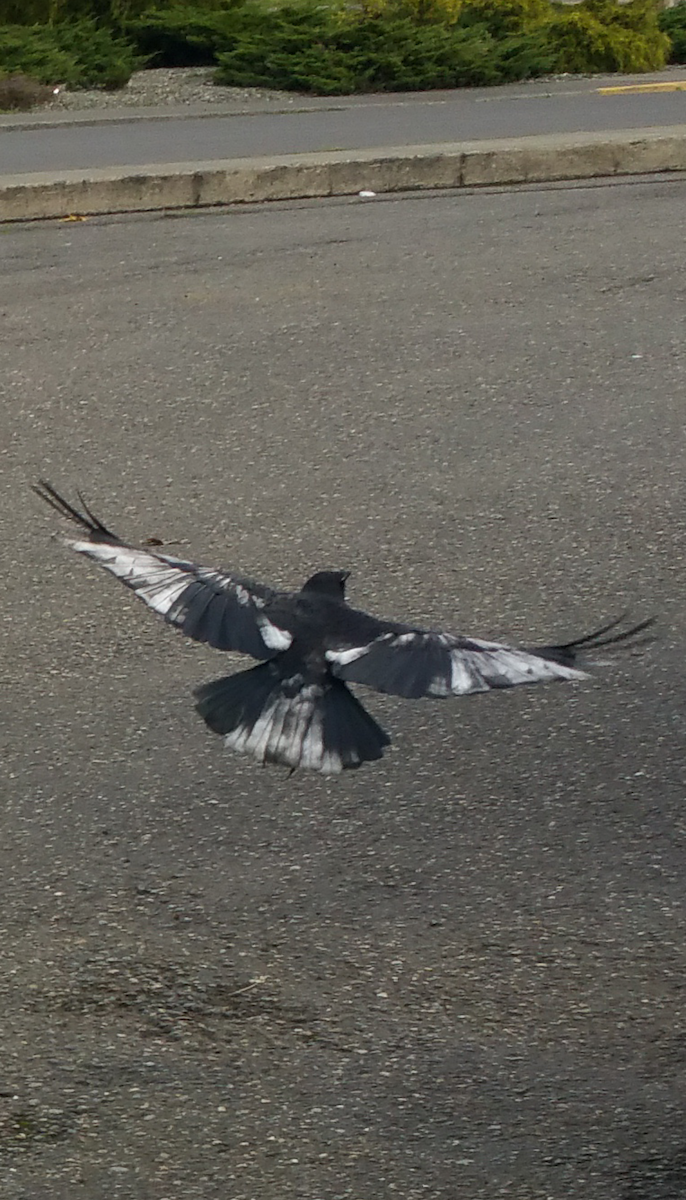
(40, 196)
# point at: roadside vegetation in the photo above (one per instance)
(672, 21)
(335, 47)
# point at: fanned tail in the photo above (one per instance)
(316, 725)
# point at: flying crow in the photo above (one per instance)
(294, 708)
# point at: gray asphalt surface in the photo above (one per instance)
(342, 124)
(460, 973)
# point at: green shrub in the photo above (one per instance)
(672, 21)
(79, 53)
(602, 36)
(108, 12)
(26, 12)
(301, 48)
(19, 93)
(639, 15)
(186, 36)
(504, 18)
(336, 47)
(525, 56)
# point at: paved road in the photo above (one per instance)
(458, 974)
(564, 106)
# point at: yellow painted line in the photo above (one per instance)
(677, 85)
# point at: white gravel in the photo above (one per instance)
(163, 87)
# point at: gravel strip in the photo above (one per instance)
(164, 86)
(168, 91)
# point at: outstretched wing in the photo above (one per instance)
(414, 663)
(222, 609)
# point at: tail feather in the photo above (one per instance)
(318, 725)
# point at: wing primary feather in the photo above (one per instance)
(567, 653)
(97, 523)
(626, 635)
(590, 637)
(60, 505)
(95, 527)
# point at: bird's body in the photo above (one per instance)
(295, 708)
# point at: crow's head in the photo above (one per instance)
(328, 583)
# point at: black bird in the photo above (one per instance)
(294, 708)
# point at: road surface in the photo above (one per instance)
(340, 124)
(458, 974)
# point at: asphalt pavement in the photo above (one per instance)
(47, 143)
(458, 974)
